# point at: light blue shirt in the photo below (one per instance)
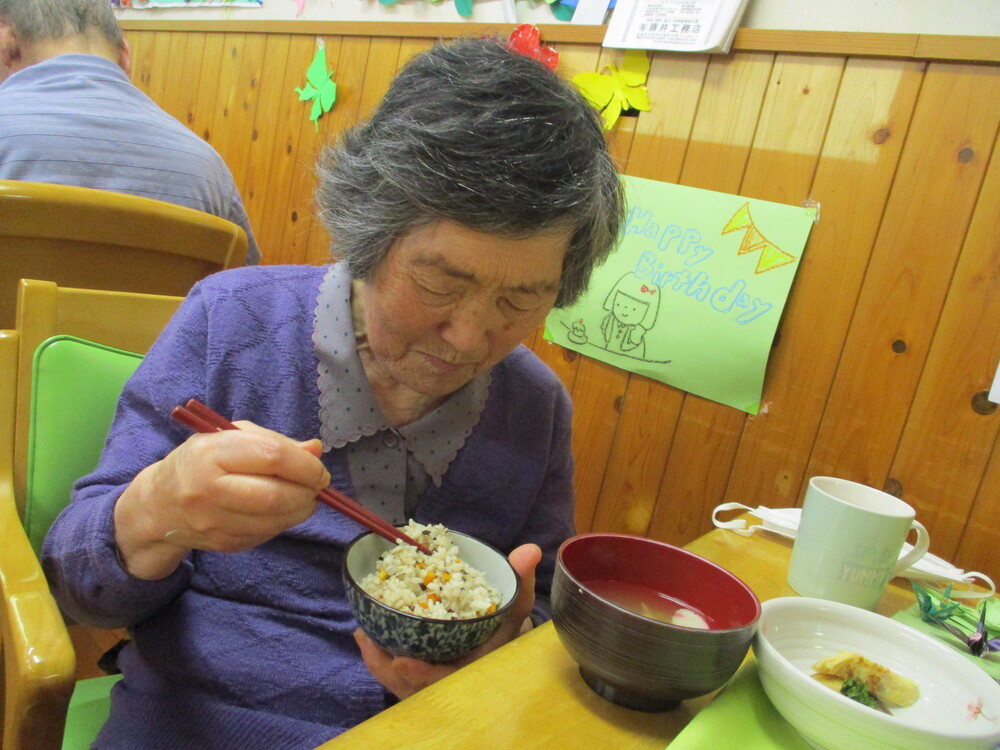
(78, 120)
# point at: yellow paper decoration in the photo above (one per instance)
(619, 90)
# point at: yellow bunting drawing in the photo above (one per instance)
(623, 88)
(320, 87)
(771, 256)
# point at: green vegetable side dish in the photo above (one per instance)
(856, 690)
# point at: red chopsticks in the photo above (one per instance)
(201, 418)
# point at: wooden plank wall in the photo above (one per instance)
(892, 330)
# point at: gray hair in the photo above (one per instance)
(37, 20)
(476, 134)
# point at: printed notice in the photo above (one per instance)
(676, 25)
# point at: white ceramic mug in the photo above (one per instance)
(849, 540)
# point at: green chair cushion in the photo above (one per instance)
(88, 710)
(75, 386)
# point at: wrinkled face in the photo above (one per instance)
(629, 310)
(448, 303)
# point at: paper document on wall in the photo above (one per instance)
(676, 25)
(693, 293)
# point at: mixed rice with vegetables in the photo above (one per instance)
(439, 586)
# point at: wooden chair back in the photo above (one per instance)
(39, 661)
(98, 239)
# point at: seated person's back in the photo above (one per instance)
(70, 115)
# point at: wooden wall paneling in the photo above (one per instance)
(860, 154)
(662, 134)
(217, 131)
(351, 71)
(980, 541)
(273, 93)
(947, 442)
(300, 208)
(185, 74)
(156, 65)
(926, 218)
(728, 111)
(202, 115)
(649, 409)
(643, 440)
(598, 396)
(708, 434)
(269, 207)
(383, 62)
(180, 62)
(144, 50)
(868, 44)
(793, 123)
(232, 125)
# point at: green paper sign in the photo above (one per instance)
(694, 291)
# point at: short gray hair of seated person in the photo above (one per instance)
(476, 134)
(37, 20)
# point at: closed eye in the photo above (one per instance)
(522, 305)
(435, 293)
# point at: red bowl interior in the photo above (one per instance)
(681, 575)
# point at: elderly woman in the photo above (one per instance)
(479, 194)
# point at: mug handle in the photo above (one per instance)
(918, 551)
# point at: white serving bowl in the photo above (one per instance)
(796, 632)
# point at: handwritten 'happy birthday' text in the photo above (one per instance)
(724, 299)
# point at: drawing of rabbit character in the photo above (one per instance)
(632, 307)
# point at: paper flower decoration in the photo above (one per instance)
(620, 90)
(526, 39)
(320, 87)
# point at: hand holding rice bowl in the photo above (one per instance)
(456, 620)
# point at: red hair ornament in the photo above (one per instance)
(526, 40)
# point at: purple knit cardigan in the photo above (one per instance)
(254, 650)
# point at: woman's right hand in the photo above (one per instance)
(226, 491)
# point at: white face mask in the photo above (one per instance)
(785, 522)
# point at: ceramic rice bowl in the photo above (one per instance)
(637, 661)
(959, 703)
(430, 640)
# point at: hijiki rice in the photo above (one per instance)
(439, 586)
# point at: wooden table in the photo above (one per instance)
(529, 693)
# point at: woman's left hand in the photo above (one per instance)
(404, 676)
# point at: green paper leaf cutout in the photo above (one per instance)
(320, 87)
(464, 8)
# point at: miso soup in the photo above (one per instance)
(648, 602)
